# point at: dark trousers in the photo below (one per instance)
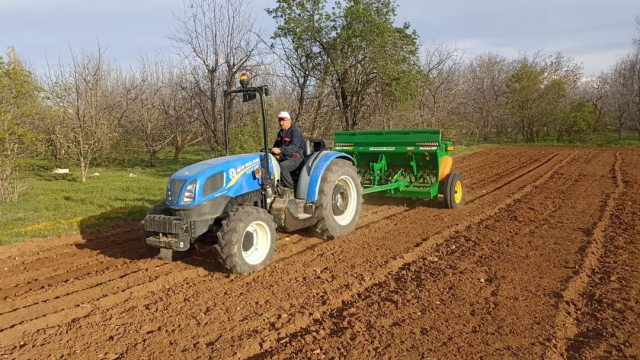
(286, 167)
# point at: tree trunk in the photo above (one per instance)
(83, 172)
(214, 104)
(154, 158)
(301, 100)
(176, 152)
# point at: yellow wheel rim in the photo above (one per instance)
(458, 194)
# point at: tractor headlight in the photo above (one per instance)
(169, 199)
(189, 193)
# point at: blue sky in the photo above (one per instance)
(593, 32)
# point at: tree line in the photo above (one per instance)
(346, 66)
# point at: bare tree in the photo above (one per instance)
(146, 118)
(633, 72)
(93, 95)
(619, 103)
(443, 66)
(485, 94)
(180, 111)
(624, 82)
(636, 41)
(216, 39)
(597, 91)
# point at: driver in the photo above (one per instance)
(289, 145)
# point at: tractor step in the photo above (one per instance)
(292, 214)
(302, 210)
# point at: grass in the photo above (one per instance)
(596, 140)
(57, 204)
(460, 149)
(54, 205)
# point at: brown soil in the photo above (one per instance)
(542, 262)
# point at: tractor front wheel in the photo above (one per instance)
(247, 240)
(453, 190)
(339, 200)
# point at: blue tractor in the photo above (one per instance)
(235, 200)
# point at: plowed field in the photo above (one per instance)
(542, 262)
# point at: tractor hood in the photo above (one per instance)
(229, 175)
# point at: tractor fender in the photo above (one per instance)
(311, 174)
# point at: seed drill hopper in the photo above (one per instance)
(404, 163)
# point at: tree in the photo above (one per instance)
(19, 100)
(147, 118)
(441, 94)
(93, 96)
(636, 41)
(296, 47)
(623, 81)
(485, 94)
(361, 52)
(180, 110)
(216, 39)
(597, 91)
(524, 88)
(538, 91)
(578, 120)
(633, 72)
(619, 101)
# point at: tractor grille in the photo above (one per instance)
(176, 186)
(163, 224)
(214, 183)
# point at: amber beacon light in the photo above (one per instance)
(244, 80)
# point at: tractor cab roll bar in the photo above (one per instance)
(250, 93)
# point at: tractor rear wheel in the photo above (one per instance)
(339, 200)
(157, 253)
(247, 240)
(453, 190)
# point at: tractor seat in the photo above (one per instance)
(310, 147)
(313, 146)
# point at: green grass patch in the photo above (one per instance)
(57, 204)
(460, 149)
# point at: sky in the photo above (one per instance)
(593, 32)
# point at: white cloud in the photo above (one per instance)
(596, 62)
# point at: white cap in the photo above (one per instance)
(283, 115)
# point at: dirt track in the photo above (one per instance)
(542, 262)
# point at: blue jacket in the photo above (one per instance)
(290, 142)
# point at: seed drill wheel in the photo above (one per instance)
(453, 190)
(156, 253)
(247, 240)
(339, 200)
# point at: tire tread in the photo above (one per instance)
(232, 231)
